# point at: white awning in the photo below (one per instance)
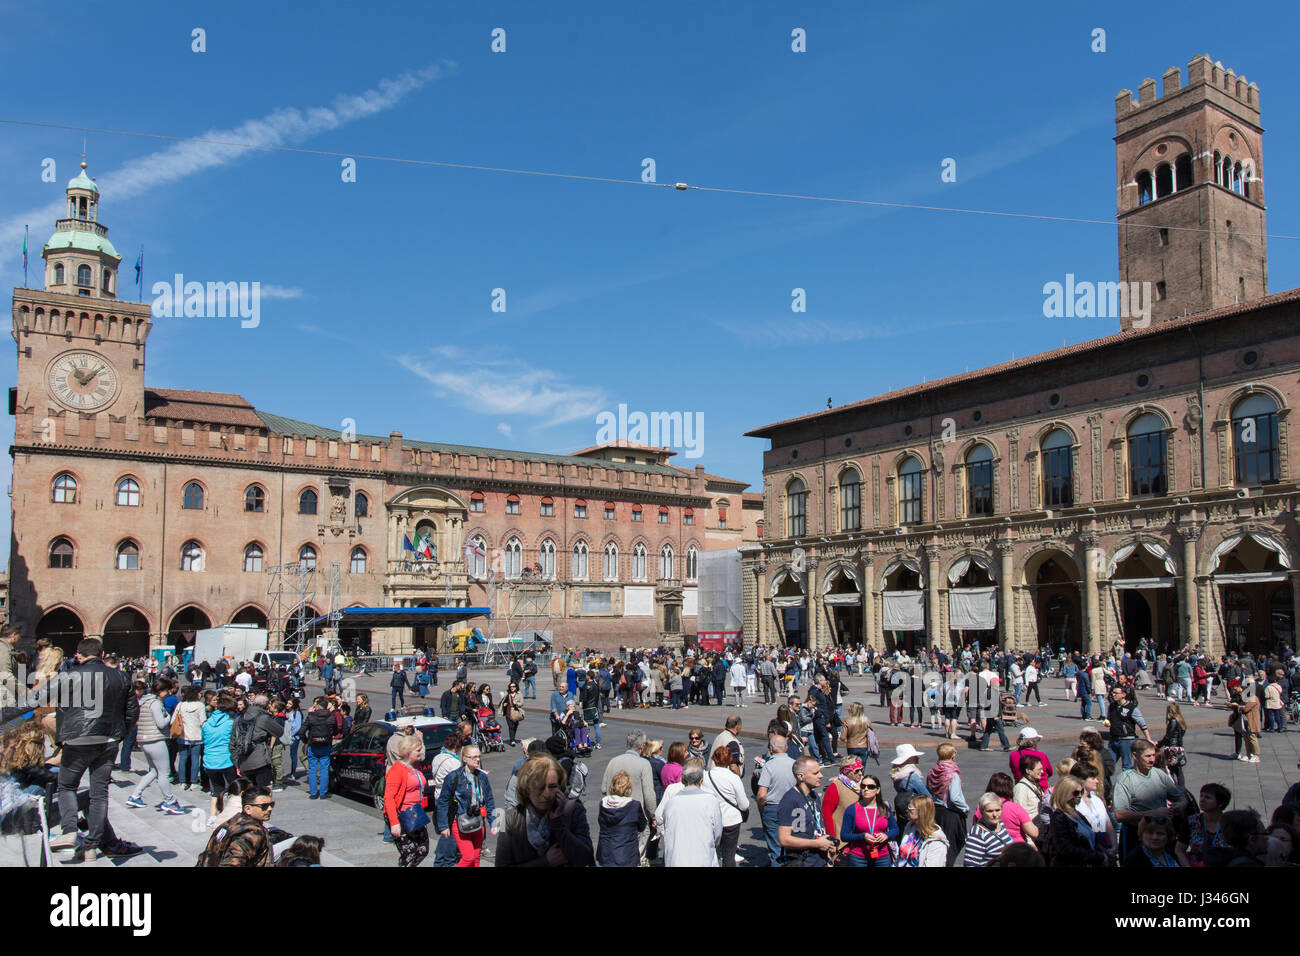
(1251, 577)
(906, 563)
(962, 565)
(1154, 549)
(1137, 584)
(973, 609)
(1263, 540)
(789, 600)
(841, 600)
(787, 575)
(838, 571)
(904, 611)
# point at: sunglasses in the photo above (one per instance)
(869, 786)
(263, 806)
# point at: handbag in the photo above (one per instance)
(744, 814)
(413, 818)
(471, 821)
(178, 725)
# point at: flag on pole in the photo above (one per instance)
(424, 547)
(24, 257)
(406, 543)
(139, 272)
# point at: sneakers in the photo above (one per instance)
(173, 808)
(123, 848)
(135, 803)
(277, 789)
(64, 841)
(1253, 760)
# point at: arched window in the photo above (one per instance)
(1146, 456)
(514, 558)
(1255, 440)
(84, 276)
(58, 273)
(192, 498)
(254, 498)
(191, 556)
(663, 514)
(107, 281)
(253, 558)
(307, 557)
(65, 489)
(61, 553)
(1218, 168)
(611, 562)
(512, 504)
(636, 512)
(1183, 172)
(1058, 470)
(796, 509)
(1164, 180)
(128, 493)
(1236, 178)
(476, 502)
(638, 563)
(128, 556)
(548, 559)
(358, 560)
(1145, 191)
(361, 505)
(692, 563)
(580, 561)
(850, 501)
(666, 562)
(307, 502)
(979, 480)
(909, 491)
(476, 557)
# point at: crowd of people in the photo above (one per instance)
(1115, 796)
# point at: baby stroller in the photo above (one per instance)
(487, 730)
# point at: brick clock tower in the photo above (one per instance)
(1191, 190)
(80, 350)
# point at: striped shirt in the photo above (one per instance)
(984, 846)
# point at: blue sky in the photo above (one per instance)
(662, 300)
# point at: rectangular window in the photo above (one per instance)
(850, 506)
(798, 515)
(512, 507)
(476, 504)
(663, 518)
(979, 477)
(580, 511)
(636, 516)
(1146, 455)
(609, 514)
(909, 498)
(689, 519)
(1255, 447)
(1058, 484)
(547, 510)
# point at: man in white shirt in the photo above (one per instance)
(245, 680)
(1017, 679)
(692, 821)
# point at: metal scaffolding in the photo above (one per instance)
(290, 591)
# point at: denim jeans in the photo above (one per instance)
(770, 834)
(293, 757)
(868, 861)
(446, 853)
(1123, 751)
(191, 759)
(992, 726)
(75, 761)
(530, 687)
(128, 745)
(318, 769)
(398, 695)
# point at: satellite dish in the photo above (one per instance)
(797, 559)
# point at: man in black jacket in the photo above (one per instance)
(256, 764)
(94, 708)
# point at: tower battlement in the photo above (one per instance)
(1201, 72)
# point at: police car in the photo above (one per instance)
(357, 761)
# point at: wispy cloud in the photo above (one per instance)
(504, 386)
(279, 291)
(806, 331)
(504, 429)
(280, 127)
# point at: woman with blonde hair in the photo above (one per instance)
(405, 802)
(47, 665)
(1071, 840)
(545, 828)
(857, 733)
(1171, 744)
(924, 843)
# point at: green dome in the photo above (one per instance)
(82, 181)
(80, 239)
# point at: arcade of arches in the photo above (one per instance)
(1234, 590)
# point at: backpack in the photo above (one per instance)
(873, 745)
(242, 742)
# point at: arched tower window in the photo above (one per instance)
(1164, 180)
(1145, 192)
(611, 562)
(1183, 172)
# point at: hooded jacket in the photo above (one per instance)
(620, 819)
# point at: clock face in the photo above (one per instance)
(82, 381)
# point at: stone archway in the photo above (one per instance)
(1251, 592)
(184, 624)
(1051, 578)
(126, 633)
(63, 628)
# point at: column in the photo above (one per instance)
(760, 609)
(813, 611)
(1006, 596)
(1191, 617)
(1295, 603)
(1092, 612)
(933, 619)
(868, 602)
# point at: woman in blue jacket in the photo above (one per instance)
(466, 812)
(216, 747)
